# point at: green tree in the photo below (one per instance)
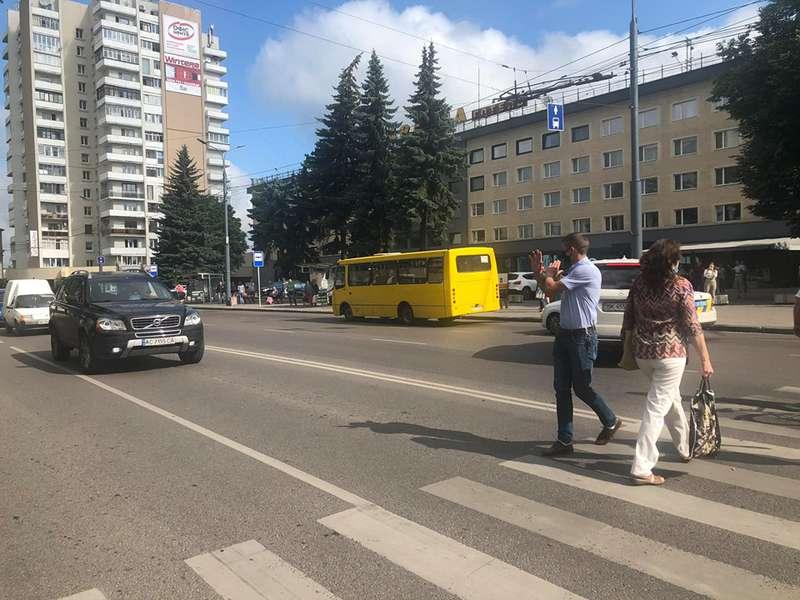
(376, 208)
(429, 158)
(760, 91)
(213, 218)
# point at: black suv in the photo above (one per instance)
(109, 316)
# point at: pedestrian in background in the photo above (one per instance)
(290, 292)
(740, 278)
(710, 279)
(660, 317)
(575, 347)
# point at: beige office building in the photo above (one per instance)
(99, 98)
(527, 186)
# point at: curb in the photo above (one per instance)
(255, 309)
(751, 329)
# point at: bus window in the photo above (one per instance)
(473, 263)
(358, 274)
(384, 273)
(435, 270)
(412, 271)
(338, 277)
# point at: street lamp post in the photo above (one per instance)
(2, 255)
(211, 145)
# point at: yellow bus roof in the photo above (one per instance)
(465, 251)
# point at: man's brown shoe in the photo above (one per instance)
(608, 433)
(558, 449)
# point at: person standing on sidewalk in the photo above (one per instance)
(660, 317)
(575, 347)
(710, 280)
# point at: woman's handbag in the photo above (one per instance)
(628, 362)
(705, 438)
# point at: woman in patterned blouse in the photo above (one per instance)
(661, 317)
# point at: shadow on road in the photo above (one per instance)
(131, 365)
(383, 322)
(542, 354)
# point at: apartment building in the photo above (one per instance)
(99, 99)
(527, 187)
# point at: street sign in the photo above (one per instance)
(101, 260)
(555, 117)
(258, 260)
(153, 270)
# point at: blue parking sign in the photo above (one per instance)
(258, 260)
(153, 270)
(555, 117)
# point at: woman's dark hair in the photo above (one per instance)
(658, 261)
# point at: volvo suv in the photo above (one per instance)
(117, 315)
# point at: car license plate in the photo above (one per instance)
(613, 307)
(165, 341)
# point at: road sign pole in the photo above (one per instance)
(258, 275)
(637, 242)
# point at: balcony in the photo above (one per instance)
(53, 216)
(122, 214)
(119, 176)
(215, 161)
(215, 68)
(44, 178)
(117, 82)
(45, 12)
(219, 53)
(57, 198)
(117, 101)
(122, 8)
(212, 98)
(107, 21)
(51, 86)
(120, 139)
(110, 63)
(214, 175)
(213, 113)
(105, 119)
(43, 104)
(138, 231)
(60, 252)
(113, 194)
(49, 123)
(122, 251)
(124, 158)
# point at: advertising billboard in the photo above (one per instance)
(182, 75)
(181, 37)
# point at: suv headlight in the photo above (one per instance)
(191, 318)
(110, 325)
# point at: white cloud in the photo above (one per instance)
(239, 198)
(296, 73)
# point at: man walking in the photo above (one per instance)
(575, 347)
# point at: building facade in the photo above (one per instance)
(100, 97)
(527, 187)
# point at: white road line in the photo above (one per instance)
(250, 571)
(731, 518)
(458, 569)
(713, 471)
(630, 424)
(93, 594)
(788, 389)
(399, 341)
(757, 427)
(692, 572)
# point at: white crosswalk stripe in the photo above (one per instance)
(757, 427)
(731, 518)
(463, 571)
(690, 571)
(93, 594)
(248, 571)
(788, 389)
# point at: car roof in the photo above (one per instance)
(617, 262)
(111, 275)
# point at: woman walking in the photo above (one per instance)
(660, 319)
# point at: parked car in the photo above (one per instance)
(26, 305)
(618, 276)
(525, 283)
(114, 316)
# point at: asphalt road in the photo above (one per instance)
(306, 457)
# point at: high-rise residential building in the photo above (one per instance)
(100, 97)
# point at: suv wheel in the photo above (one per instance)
(527, 293)
(193, 356)
(59, 351)
(89, 362)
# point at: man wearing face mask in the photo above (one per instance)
(575, 347)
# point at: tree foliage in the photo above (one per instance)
(760, 90)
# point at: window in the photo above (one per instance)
(552, 169)
(684, 110)
(412, 271)
(729, 138)
(51, 151)
(478, 235)
(475, 183)
(52, 97)
(57, 170)
(551, 140)
(476, 156)
(155, 172)
(525, 202)
(525, 232)
(720, 104)
(80, 50)
(525, 146)
(686, 216)
(52, 188)
(384, 273)
(499, 151)
(580, 164)
(524, 174)
(151, 45)
(154, 82)
(84, 157)
(118, 55)
(47, 133)
(500, 179)
(119, 36)
(583, 225)
(729, 212)
(612, 159)
(46, 43)
(615, 223)
(45, 22)
(82, 105)
(155, 136)
(358, 274)
(649, 118)
(499, 207)
(148, 27)
(552, 199)
(128, 112)
(473, 264)
(81, 69)
(478, 209)
(81, 87)
(500, 234)
(581, 195)
(648, 185)
(89, 246)
(157, 155)
(87, 229)
(79, 34)
(455, 238)
(86, 175)
(648, 152)
(612, 191)
(580, 133)
(650, 219)
(726, 175)
(151, 99)
(86, 194)
(84, 140)
(612, 126)
(84, 123)
(684, 146)
(552, 229)
(153, 118)
(685, 181)
(87, 211)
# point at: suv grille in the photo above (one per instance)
(155, 323)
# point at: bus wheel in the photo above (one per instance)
(346, 312)
(404, 314)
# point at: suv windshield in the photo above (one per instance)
(618, 278)
(126, 290)
(33, 301)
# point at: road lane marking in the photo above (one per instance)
(693, 572)
(629, 424)
(708, 512)
(248, 571)
(458, 569)
(93, 594)
(788, 389)
(757, 427)
(399, 341)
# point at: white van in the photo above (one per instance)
(27, 305)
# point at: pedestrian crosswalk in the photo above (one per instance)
(93, 594)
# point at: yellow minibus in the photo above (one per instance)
(434, 284)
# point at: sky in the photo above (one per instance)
(284, 57)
